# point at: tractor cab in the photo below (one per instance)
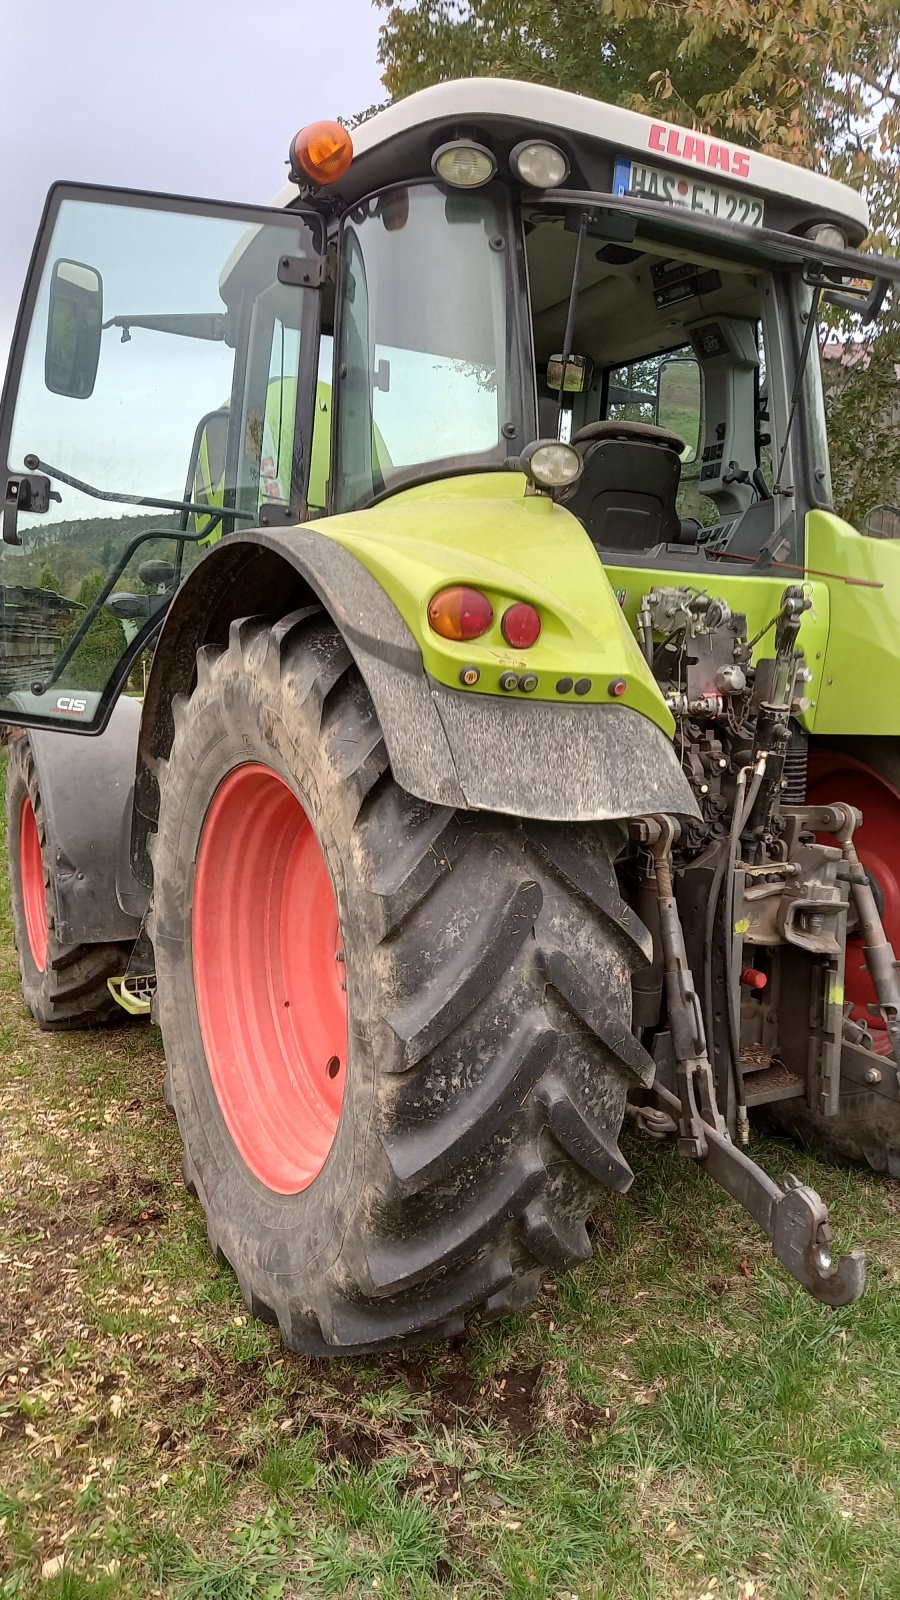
(485, 268)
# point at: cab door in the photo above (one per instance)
(159, 342)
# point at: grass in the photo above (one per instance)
(673, 1421)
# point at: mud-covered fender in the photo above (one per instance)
(561, 763)
(86, 789)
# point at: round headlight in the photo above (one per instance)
(829, 236)
(540, 165)
(466, 166)
(550, 464)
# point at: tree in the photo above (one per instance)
(815, 81)
(47, 579)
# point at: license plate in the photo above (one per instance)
(694, 194)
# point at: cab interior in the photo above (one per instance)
(669, 407)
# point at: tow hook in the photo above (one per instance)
(794, 1218)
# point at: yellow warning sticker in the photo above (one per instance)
(835, 995)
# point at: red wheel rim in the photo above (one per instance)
(272, 1009)
(31, 875)
(837, 777)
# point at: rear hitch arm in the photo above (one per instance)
(794, 1218)
(697, 1105)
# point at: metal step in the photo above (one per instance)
(773, 1083)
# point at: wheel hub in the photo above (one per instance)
(268, 975)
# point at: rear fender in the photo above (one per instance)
(543, 760)
(86, 790)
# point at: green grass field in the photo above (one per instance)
(673, 1420)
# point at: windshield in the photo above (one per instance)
(670, 335)
(160, 367)
(429, 361)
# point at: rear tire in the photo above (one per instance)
(488, 966)
(64, 986)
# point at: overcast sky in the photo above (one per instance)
(187, 96)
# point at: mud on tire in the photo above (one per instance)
(64, 986)
(488, 965)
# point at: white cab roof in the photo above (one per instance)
(630, 132)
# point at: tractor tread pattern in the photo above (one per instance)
(468, 976)
(418, 1158)
(494, 962)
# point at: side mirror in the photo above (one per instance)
(74, 329)
(679, 402)
(883, 522)
(579, 371)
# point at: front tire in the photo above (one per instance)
(63, 985)
(486, 1052)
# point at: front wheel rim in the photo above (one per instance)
(31, 876)
(268, 976)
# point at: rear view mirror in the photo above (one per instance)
(883, 522)
(74, 328)
(579, 371)
(678, 402)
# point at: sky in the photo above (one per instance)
(197, 97)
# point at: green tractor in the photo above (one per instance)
(519, 749)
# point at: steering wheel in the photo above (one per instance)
(639, 432)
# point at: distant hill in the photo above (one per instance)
(73, 549)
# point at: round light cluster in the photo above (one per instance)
(550, 464)
(464, 165)
(539, 165)
(467, 165)
(521, 625)
(460, 613)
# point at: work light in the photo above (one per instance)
(465, 165)
(828, 235)
(539, 165)
(550, 464)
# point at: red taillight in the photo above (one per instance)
(521, 626)
(460, 613)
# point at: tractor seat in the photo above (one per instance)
(625, 497)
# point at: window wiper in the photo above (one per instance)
(189, 324)
(570, 315)
(778, 542)
(35, 464)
